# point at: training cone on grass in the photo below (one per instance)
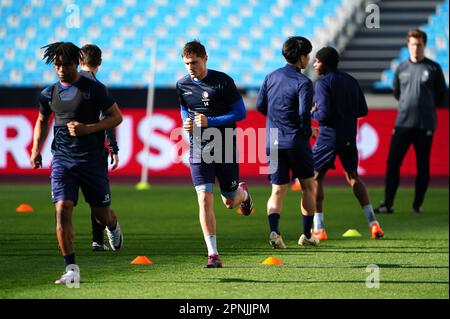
(352, 233)
(272, 261)
(296, 186)
(24, 208)
(143, 186)
(141, 260)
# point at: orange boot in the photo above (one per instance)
(320, 235)
(375, 229)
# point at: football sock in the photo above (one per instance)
(368, 211)
(69, 259)
(274, 219)
(211, 244)
(307, 224)
(318, 222)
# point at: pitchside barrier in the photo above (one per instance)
(168, 154)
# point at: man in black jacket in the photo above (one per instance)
(419, 86)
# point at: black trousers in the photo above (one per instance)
(402, 138)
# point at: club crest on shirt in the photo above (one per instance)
(205, 98)
(425, 76)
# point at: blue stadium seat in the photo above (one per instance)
(248, 13)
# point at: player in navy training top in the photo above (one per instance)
(339, 104)
(286, 98)
(90, 63)
(78, 149)
(210, 102)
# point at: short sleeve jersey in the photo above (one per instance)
(81, 102)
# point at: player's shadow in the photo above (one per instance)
(357, 267)
(405, 266)
(240, 280)
(379, 265)
(276, 282)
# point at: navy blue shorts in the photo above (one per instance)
(92, 178)
(299, 161)
(205, 173)
(325, 155)
(227, 173)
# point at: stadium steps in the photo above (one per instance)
(388, 30)
(371, 51)
(365, 65)
(370, 55)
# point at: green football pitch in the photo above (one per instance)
(162, 224)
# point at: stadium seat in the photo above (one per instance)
(243, 36)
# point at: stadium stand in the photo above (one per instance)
(243, 37)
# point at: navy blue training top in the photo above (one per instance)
(215, 96)
(340, 102)
(82, 102)
(286, 97)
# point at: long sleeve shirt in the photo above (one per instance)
(419, 88)
(339, 103)
(285, 98)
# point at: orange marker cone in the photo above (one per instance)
(24, 208)
(296, 186)
(141, 260)
(272, 261)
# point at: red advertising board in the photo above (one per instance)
(168, 149)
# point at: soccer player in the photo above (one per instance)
(285, 98)
(209, 99)
(89, 64)
(79, 156)
(419, 86)
(339, 104)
